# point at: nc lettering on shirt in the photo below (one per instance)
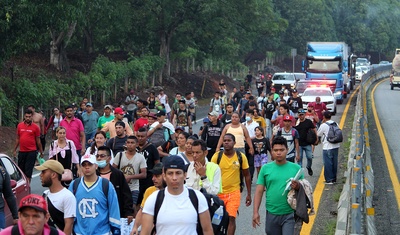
(87, 208)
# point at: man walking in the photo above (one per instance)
(211, 133)
(202, 173)
(38, 119)
(107, 117)
(61, 202)
(74, 130)
(232, 168)
(90, 119)
(117, 143)
(110, 126)
(292, 137)
(117, 178)
(133, 165)
(176, 214)
(96, 199)
(33, 217)
(303, 127)
(330, 151)
(28, 140)
(272, 179)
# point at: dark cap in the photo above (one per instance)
(34, 201)
(301, 111)
(182, 101)
(179, 128)
(281, 92)
(152, 115)
(174, 162)
(294, 91)
(157, 169)
(160, 113)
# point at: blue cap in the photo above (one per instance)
(206, 120)
(89, 104)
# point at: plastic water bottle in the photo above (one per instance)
(218, 216)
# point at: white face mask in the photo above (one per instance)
(248, 119)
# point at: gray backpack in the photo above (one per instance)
(158, 138)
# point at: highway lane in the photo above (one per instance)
(245, 213)
(385, 127)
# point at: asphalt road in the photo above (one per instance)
(386, 204)
(244, 218)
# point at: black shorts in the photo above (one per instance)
(26, 161)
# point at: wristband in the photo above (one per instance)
(203, 177)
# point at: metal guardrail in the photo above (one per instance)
(355, 208)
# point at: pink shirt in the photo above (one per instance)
(56, 149)
(46, 231)
(73, 131)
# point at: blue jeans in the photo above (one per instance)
(308, 152)
(279, 224)
(269, 128)
(330, 163)
(2, 220)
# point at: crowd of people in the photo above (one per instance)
(144, 149)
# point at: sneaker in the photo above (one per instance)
(329, 182)
(310, 172)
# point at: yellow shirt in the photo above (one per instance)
(147, 193)
(261, 121)
(230, 172)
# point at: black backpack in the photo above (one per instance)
(335, 134)
(158, 138)
(213, 201)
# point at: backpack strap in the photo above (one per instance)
(219, 157)
(185, 157)
(195, 201)
(157, 206)
(15, 230)
(53, 231)
(75, 185)
(239, 155)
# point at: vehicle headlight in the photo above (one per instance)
(337, 93)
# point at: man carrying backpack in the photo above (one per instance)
(234, 167)
(171, 210)
(292, 137)
(330, 150)
(217, 103)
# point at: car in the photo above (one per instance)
(326, 95)
(284, 79)
(19, 184)
(364, 69)
(359, 73)
(394, 80)
(302, 85)
(362, 61)
(300, 76)
(384, 62)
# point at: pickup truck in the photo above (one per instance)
(394, 80)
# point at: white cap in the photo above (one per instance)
(89, 158)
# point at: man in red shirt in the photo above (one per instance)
(28, 140)
(319, 108)
(142, 121)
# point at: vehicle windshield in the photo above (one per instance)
(283, 77)
(324, 67)
(362, 60)
(317, 93)
(301, 86)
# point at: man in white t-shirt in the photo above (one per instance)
(133, 165)
(61, 202)
(176, 214)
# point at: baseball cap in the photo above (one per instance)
(89, 104)
(213, 113)
(119, 110)
(294, 91)
(281, 92)
(301, 111)
(89, 158)
(206, 120)
(179, 128)
(152, 115)
(310, 105)
(157, 169)
(182, 101)
(53, 165)
(287, 118)
(248, 92)
(273, 89)
(34, 201)
(160, 113)
(108, 107)
(174, 162)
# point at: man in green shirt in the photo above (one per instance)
(274, 177)
(105, 118)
